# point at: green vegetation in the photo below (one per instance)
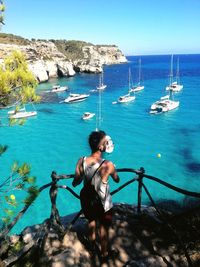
(99, 46)
(71, 49)
(17, 83)
(2, 9)
(6, 38)
(19, 180)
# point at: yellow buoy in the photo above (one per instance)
(12, 197)
(159, 155)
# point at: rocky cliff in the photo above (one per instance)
(55, 58)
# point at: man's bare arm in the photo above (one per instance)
(109, 169)
(78, 173)
(114, 173)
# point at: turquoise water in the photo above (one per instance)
(57, 137)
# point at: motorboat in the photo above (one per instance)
(73, 98)
(165, 104)
(58, 88)
(87, 115)
(126, 98)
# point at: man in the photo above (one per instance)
(85, 169)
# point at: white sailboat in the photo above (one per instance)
(164, 104)
(101, 85)
(21, 113)
(138, 87)
(174, 86)
(128, 97)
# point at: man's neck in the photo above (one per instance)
(96, 155)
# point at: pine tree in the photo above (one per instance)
(2, 9)
(17, 83)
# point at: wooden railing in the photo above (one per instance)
(54, 186)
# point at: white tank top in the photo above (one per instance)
(102, 188)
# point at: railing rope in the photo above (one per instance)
(69, 189)
(175, 188)
(122, 186)
(54, 189)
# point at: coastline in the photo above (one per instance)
(61, 58)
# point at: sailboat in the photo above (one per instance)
(174, 86)
(164, 104)
(101, 85)
(128, 97)
(99, 117)
(20, 113)
(138, 87)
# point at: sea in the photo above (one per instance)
(166, 145)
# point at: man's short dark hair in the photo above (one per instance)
(95, 139)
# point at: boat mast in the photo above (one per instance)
(100, 79)
(177, 71)
(130, 81)
(99, 111)
(171, 72)
(139, 72)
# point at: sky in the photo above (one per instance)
(137, 27)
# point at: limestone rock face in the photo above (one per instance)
(51, 68)
(45, 59)
(65, 68)
(111, 55)
(38, 68)
(96, 56)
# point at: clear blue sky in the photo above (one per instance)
(137, 27)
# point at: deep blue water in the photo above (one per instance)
(57, 137)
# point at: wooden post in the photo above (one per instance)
(140, 179)
(55, 217)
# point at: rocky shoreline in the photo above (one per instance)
(47, 59)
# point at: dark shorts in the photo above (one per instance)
(106, 218)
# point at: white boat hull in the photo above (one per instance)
(25, 114)
(137, 89)
(88, 116)
(163, 106)
(101, 87)
(174, 87)
(73, 98)
(58, 89)
(11, 112)
(126, 99)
